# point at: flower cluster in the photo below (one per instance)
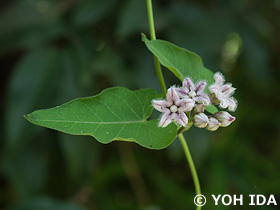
(189, 101)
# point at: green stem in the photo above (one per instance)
(153, 37)
(183, 129)
(163, 88)
(192, 166)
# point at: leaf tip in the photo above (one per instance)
(27, 117)
(144, 37)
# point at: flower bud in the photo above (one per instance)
(213, 124)
(200, 120)
(224, 118)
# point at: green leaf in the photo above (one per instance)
(183, 63)
(211, 109)
(115, 114)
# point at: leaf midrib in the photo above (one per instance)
(88, 122)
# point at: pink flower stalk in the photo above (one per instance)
(195, 92)
(221, 93)
(173, 108)
(224, 118)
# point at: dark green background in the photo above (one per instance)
(54, 51)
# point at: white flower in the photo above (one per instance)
(173, 108)
(194, 92)
(223, 93)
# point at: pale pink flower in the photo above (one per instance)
(173, 108)
(200, 120)
(224, 118)
(221, 93)
(195, 92)
(213, 124)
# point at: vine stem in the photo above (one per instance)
(153, 37)
(192, 166)
(163, 88)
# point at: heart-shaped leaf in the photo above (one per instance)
(183, 63)
(115, 114)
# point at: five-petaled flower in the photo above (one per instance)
(195, 92)
(221, 93)
(173, 108)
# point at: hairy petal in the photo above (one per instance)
(227, 89)
(219, 79)
(188, 84)
(182, 119)
(160, 105)
(185, 105)
(223, 102)
(172, 95)
(232, 104)
(199, 87)
(165, 120)
(214, 89)
(182, 93)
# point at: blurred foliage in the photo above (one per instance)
(54, 51)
